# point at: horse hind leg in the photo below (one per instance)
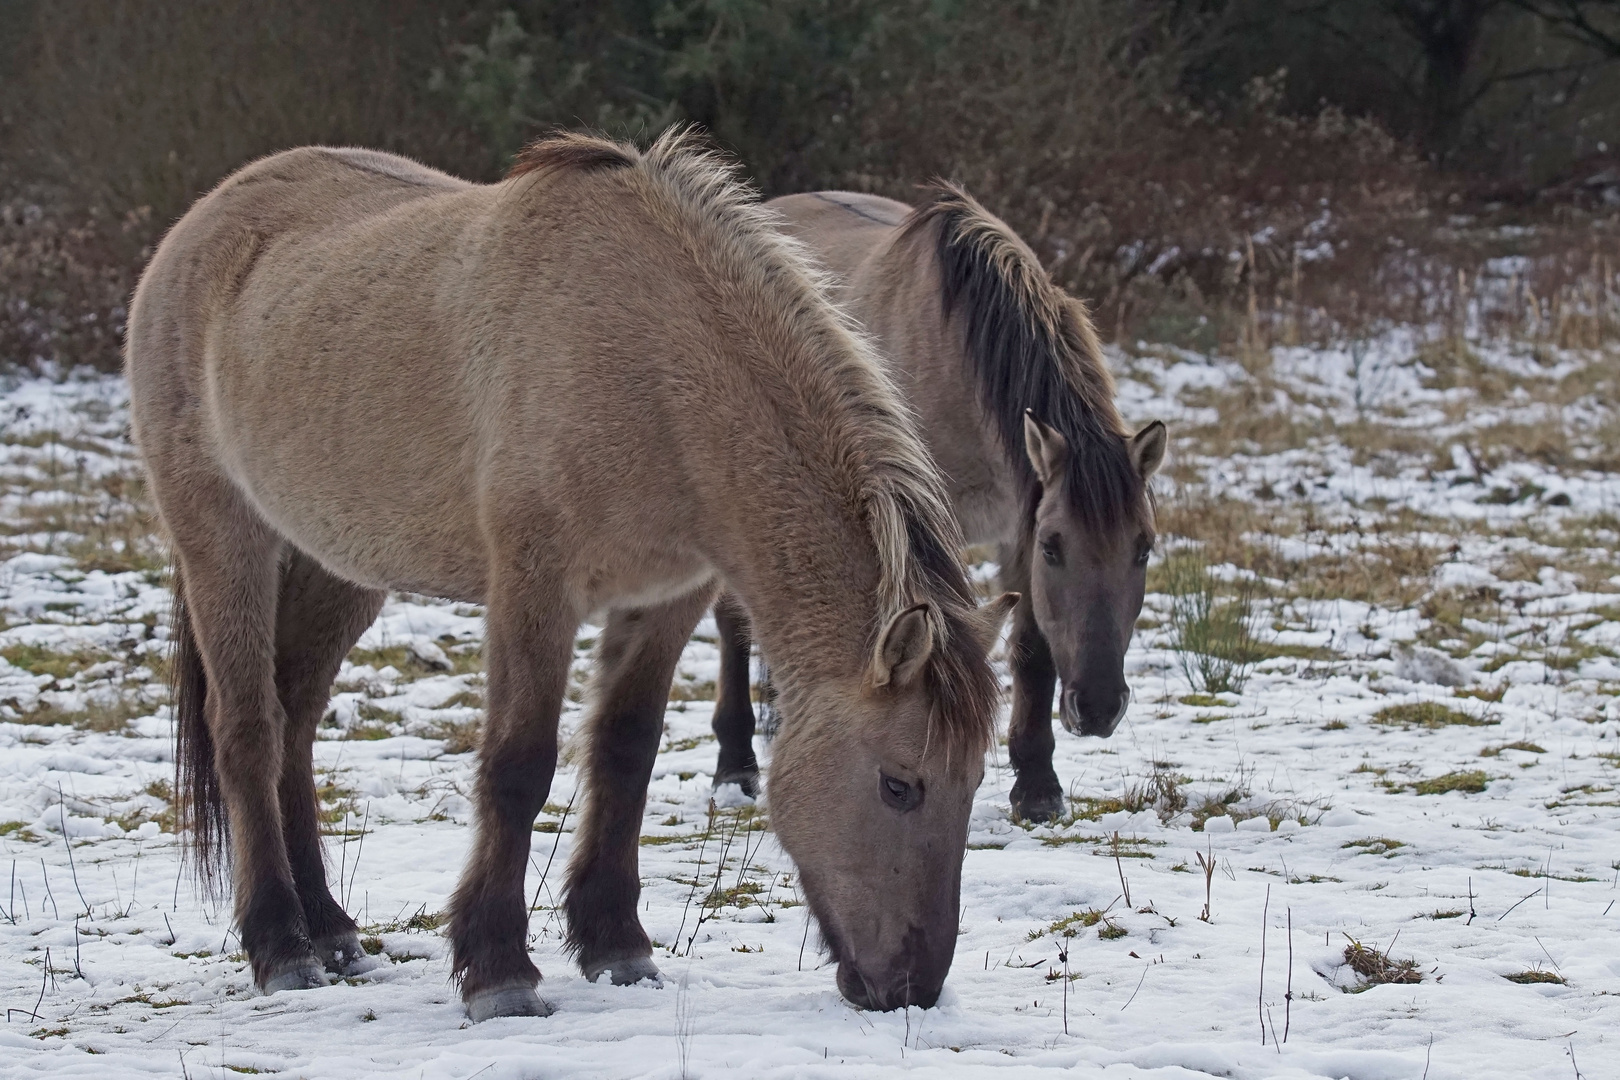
(228, 560)
(635, 661)
(319, 617)
(733, 711)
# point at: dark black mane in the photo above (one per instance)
(1031, 347)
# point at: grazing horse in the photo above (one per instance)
(593, 389)
(1011, 391)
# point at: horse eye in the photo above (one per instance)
(899, 794)
(1142, 556)
(1052, 551)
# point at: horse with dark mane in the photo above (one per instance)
(1009, 386)
(594, 389)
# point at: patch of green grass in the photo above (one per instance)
(106, 718)
(1376, 845)
(38, 660)
(1524, 873)
(1335, 725)
(368, 733)
(1446, 913)
(1472, 781)
(1427, 714)
(1206, 701)
(1070, 925)
(675, 746)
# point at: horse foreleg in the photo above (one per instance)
(318, 619)
(733, 710)
(635, 661)
(528, 648)
(1036, 794)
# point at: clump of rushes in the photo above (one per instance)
(1213, 636)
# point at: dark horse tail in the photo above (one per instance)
(196, 783)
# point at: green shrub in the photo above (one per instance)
(1212, 635)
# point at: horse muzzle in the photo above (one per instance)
(883, 994)
(1092, 714)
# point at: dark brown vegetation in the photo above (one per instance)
(1375, 967)
(1157, 156)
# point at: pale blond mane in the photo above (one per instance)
(889, 468)
(881, 462)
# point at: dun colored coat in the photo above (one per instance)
(599, 386)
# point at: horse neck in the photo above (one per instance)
(896, 293)
(787, 531)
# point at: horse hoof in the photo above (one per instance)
(1037, 806)
(344, 955)
(746, 778)
(517, 1000)
(627, 971)
(299, 975)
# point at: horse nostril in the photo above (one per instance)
(1124, 703)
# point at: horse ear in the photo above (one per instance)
(903, 647)
(988, 619)
(1147, 448)
(1047, 450)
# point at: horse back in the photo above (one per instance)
(891, 283)
(396, 367)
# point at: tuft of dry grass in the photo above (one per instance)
(1471, 781)
(459, 736)
(1534, 976)
(1374, 967)
(1527, 747)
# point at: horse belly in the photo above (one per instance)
(379, 487)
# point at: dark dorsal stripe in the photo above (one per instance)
(1029, 345)
(570, 150)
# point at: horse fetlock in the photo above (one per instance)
(625, 971)
(513, 999)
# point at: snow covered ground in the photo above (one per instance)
(1411, 540)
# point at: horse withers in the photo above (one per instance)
(1015, 401)
(598, 386)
